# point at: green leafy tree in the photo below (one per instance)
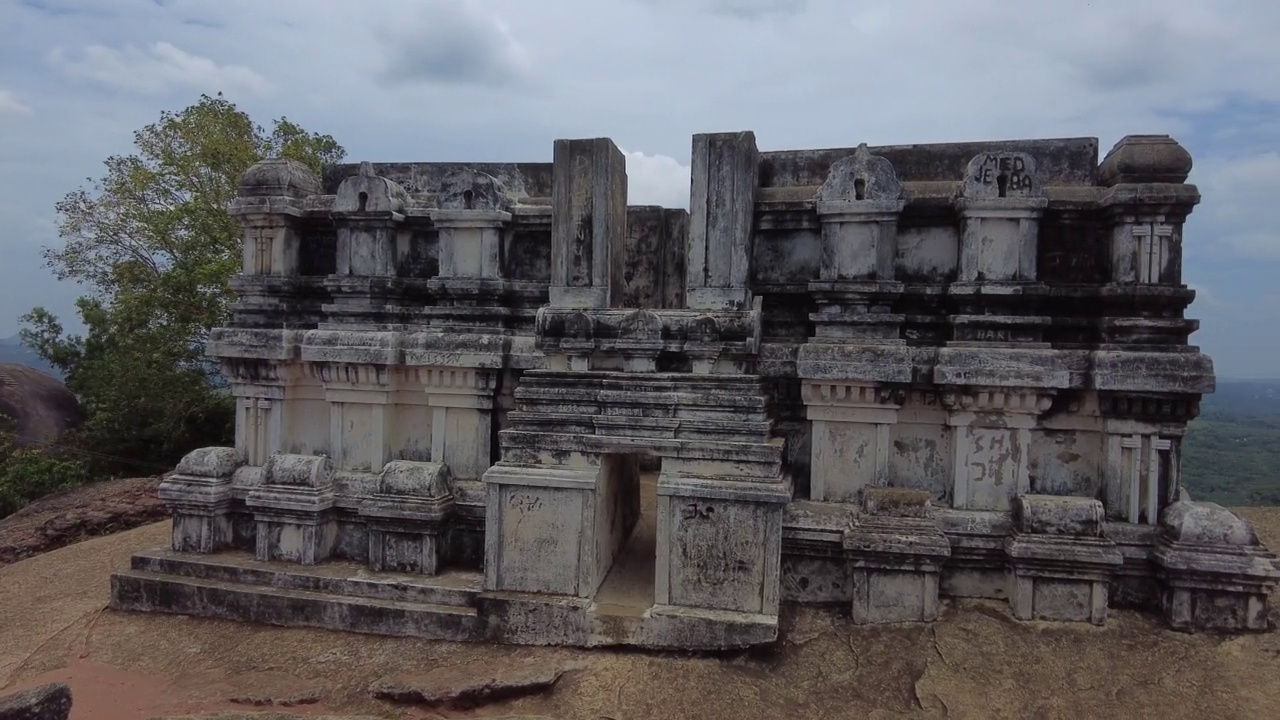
(153, 241)
(27, 473)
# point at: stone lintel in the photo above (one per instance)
(267, 210)
(470, 218)
(779, 491)
(854, 211)
(1001, 208)
(1179, 372)
(254, 343)
(1001, 367)
(542, 476)
(298, 504)
(855, 362)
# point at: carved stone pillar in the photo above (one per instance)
(1000, 205)
(461, 404)
(858, 206)
(269, 206)
(361, 413)
(368, 212)
(473, 215)
(279, 408)
(589, 221)
(721, 217)
(1145, 206)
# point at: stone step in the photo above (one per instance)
(451, 588)
(135, 590)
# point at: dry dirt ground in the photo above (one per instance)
(976, 662)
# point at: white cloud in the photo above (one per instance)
(456, 42)
(448, 80)
(162, 67)
(656, 180)
(11, 105)
(1239, 194)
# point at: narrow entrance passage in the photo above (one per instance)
(628, 588)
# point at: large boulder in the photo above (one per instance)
(35, 406)
(47, 702)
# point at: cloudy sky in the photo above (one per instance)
(498, 80)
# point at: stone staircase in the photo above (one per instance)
(336, 595)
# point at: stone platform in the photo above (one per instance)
(341, 595)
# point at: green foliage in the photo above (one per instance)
(154, 242)
(28, 473)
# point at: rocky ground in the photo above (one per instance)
(74, 515)
(976, 662)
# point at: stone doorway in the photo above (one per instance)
(628, 587)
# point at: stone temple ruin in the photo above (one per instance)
(494, 402)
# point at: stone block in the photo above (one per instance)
(293, 509)
(200, 496)
(719, 546)
(1061, 568)
(406, 516)
(540, 530)
(895, 554)
(1213, 573)
(897, 502)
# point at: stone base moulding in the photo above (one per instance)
(895, 554)
(1060, 566)
(1214, 574)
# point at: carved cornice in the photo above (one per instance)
(1149, 407)
(1010, 400)
(852, 394)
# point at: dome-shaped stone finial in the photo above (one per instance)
(1002, 175)
(468, 189)
(860, 177)
(1206, 523)
(368, 192)
(1145, 159)
(279, 177)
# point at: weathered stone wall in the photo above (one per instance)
(868, 375)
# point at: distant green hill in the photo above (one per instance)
(1231, 454)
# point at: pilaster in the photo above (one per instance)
(851, 441)
(991, 443)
